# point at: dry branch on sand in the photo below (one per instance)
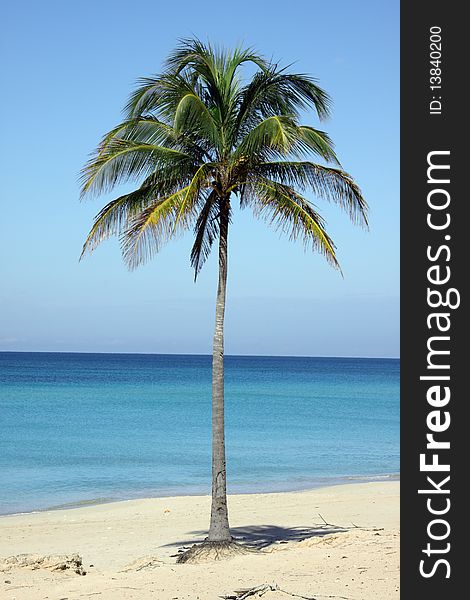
(140, 564)
(262, 589)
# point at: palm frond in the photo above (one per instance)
(281, 137)
(272, 92)
(274, 136)
(328, 183)
(147, 88)
(148, 129)
(158, 95)
(303, 92)
(239, 56)
(155, 225)
(286, 210)
(209, 62)
(200, 180)
(192, 115)
(216, 70)
(206, 232)
(316, 141)
(121, 160)
(115, 215)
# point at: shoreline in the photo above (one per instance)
(311, 486)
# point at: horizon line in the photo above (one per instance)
(195, 354)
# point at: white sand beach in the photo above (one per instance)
(355, 557)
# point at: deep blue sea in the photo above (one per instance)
(78, 428)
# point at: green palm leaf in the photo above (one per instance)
(111, 219)
(152, 227)
(272, 92)
(146, 129)
(274, 136)
(286, 210)
(280, 137)
(333, 185)
(192, 115)
(121, 160)
(206, 232)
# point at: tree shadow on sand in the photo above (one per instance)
(259, 537)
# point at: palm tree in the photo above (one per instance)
(196, 136)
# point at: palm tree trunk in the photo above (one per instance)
(219, 528)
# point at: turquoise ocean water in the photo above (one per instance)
(79, 428)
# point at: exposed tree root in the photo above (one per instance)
(210, 551)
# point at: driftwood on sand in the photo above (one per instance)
(262, 589)
(51, 562)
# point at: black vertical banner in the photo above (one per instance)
(435, 264)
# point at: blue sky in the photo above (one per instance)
(68, 70)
